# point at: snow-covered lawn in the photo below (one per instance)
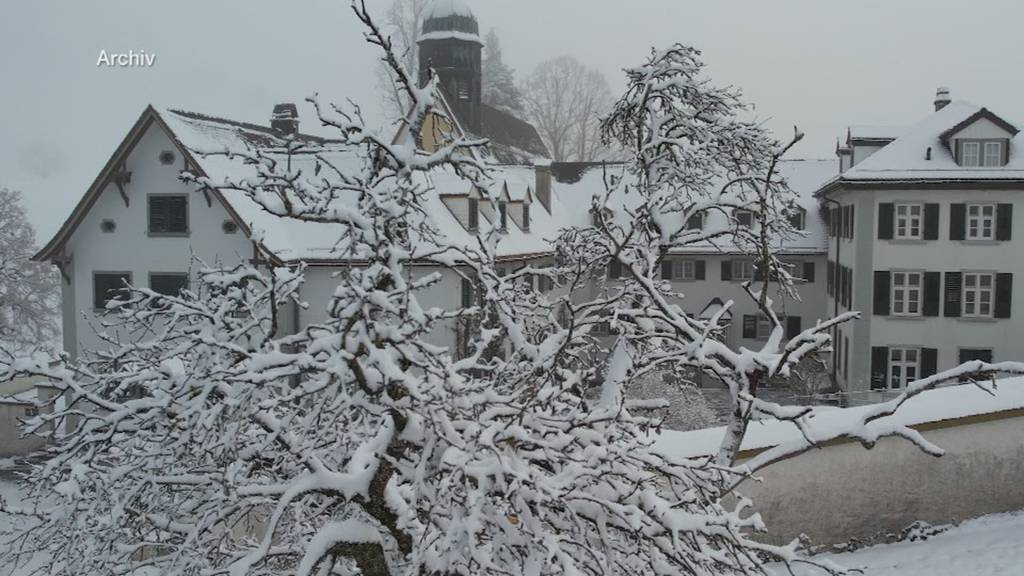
(987, 546)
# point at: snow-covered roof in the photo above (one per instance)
(907, 158)
(875, 132)
(942, 404)
(449, 35)
(445, 8)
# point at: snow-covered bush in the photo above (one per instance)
(211, 444)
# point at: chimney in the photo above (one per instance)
(542, 172)
(941, 98)
(285, 119)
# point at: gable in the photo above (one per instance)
(981, 125)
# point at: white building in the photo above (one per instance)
(924, 242)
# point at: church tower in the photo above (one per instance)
(450, 43)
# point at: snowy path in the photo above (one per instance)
(988, 546)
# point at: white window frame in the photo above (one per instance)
(905, 224)
(977, 301)
(741, 266)
(971, 159)
(990, 160)
(684, 269)
(905, 294)
(980, 226)
(900, 369)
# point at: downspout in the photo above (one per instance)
(835, 295)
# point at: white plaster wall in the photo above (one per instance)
(844, 491)
(1004, 336)
(130, 248)
(12, 442)
(981, 129)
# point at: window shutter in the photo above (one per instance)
(727, 270)
(467, 293)
(699, 270)
(614, 268)
(809, 271)
(886, 212)
(879, 367)
(793, 326)
(931, 222)
(758, 272)
(666, 269)
(1004, 293)
(830, 278)
(882, 287)
(929, 362)
(849, 287)
(1004, 221)
(851, 221)
(951, 307)
(957, 221)
(932, 293)
(750, 326)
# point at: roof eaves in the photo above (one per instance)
(983, 113)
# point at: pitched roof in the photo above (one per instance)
(513, 140)
(983, 113)
(906, 158)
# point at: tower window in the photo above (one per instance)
(462, 89)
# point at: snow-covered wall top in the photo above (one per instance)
(937, 405)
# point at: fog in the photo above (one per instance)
(819, 65)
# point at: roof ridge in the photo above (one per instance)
(246, 125)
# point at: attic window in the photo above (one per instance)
(744, 218)
(526, 216)
(503, 212)
(981, 153)
(168, 214)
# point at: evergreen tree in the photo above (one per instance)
(499, 79)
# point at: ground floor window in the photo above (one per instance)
(904, 366)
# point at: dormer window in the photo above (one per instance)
(981, 153)
(744, 218)
(474, 214)
(695, 221)
(797, 218)
(503, 213)
(526, 216)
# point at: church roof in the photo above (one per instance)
(513, 141)
(448, 19)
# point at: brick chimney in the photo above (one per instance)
(941, 98)
(542, 173)
(285, 119)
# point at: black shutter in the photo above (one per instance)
(467, 293)
(792, 326)
(849, 287)
(929, 362)
(882, 287)
(830, 278)
(1004, 221)
(879, 367)
(750, 326)
(614, 268)
(699, 270)
(957, 221)
(931, 221)
(851, 221)
(727, 270)
(886, 212)
(1004, 294)
(951, 307)
(932, 293)
(666, 269)
(809, 271)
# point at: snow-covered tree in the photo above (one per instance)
(28, 290)
(214, 445)
(565, 100)
(499, 88)
(402, 22)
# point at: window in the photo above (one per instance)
(474, 214)
(683, 270)
(970, 153)
(742, 270)
(908, 221)
(744, 218)
(31, 412)
(981, 219)
(764, 327)
(904, 366)
(108, 285)
(168, 214)
(797, 218)
(993, 154)
(906, 293)
(977, 295)
(526, 216)
(503, 213)
(695, 221)
(168, 284)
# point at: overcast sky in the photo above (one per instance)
(819, 64)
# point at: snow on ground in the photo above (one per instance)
(986, 546)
